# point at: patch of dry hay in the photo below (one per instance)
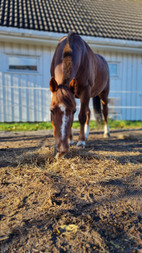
(89, 201)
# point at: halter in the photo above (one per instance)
(63, 86)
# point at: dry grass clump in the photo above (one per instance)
(37, 159)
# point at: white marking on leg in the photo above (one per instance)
(81, 143)
(106, 131)
(71, 142)
(64, 121)
(86, 131)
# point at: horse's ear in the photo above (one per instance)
(73, 86)
(53, 84)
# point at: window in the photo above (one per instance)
(113, 69)
(23, 63)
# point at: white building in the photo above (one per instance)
(28, 38)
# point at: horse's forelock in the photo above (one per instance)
(65, 97)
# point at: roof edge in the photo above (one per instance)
(51, 39)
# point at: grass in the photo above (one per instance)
(27, 126)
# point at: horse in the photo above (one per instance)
(77, 72)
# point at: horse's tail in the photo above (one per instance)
(67, 59)
(97, 109)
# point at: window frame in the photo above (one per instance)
(26, 71)
(117, 75)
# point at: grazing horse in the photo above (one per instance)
(77, 72)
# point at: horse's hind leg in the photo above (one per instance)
(84, 117)
(104, 100)
(87, 124)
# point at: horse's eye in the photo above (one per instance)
(52, 111)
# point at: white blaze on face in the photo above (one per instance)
(65, 119)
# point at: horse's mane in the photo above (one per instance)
(67, 60)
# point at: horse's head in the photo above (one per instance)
(62, 108)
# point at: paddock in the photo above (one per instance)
(89, 201)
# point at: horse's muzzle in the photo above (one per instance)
(63, 149)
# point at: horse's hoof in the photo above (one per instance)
(107, 135)
(71, 142)
(81, 144)
(106, 131)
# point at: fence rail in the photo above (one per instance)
(27, 101)
(43, 88)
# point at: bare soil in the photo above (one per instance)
(89, 201)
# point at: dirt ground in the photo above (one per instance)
(89, 201)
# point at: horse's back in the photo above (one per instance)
(89, 69)
(77, 46)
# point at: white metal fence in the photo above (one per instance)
(29, 102)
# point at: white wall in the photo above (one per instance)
(128, 84)
(26, 96)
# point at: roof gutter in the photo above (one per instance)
(22, 36)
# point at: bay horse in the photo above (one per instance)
(77, 72)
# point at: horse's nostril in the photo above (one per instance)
(63, 149)
(61, 152)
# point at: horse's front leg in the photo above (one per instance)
(84, 117)
(71, 142)
(87, 124)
